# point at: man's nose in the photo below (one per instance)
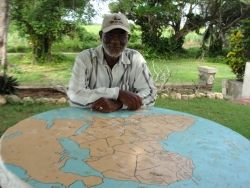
(115, 38)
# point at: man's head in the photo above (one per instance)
(115, 34)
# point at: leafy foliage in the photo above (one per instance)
(162, 47)
(246, 32)
(43, 22)
(240, 53)
(8, 84)
(155, 16)
(227, 18)
(236, 57)
(215, 48)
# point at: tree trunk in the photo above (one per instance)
(41, 49)
(4, 24)
(224, 39)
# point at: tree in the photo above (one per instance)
(4, 23)
(43, 22)
(229, 16)
(157, 15)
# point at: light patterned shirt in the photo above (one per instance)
(92, 78)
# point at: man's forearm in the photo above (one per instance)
(86, 97)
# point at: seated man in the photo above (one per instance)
(111, 76)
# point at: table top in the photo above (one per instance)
(147, 148)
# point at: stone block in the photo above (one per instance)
(246, 82)
(211, 95)
(178, 96)
(164, 96)
(232, 88)
(184, 97)
(2, 100)
(191, 96)
(218, 96)
(208, 69)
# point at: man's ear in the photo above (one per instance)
(100, 34)
(128, 37)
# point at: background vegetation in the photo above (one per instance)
(183, 64)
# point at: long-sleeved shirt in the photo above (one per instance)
(92, 78)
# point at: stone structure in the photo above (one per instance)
(180, 96)
(237, 89)
(232, 88)
(246, 82)
(204, 84)
(207, 76)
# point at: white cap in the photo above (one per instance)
(115, 21)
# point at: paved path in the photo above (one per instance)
(245, 101)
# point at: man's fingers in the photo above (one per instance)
(96, 105)
(134, 104)
(106, 105)
(132, 100)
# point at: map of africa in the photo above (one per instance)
(91, 149)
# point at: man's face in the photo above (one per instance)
(115, 42)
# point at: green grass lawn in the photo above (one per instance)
(41, 74)
(186, 70)
(230, 114)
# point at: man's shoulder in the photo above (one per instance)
(91, 51)
(131, 52)
(132, 56)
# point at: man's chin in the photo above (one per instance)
(113, 53)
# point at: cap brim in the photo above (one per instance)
(107, 29)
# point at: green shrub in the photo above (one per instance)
(236, 57)
(215, 49)
(8, 84)
(18, 49)
(193, 37)
(135, 45)
(78, 41)
(240, 53)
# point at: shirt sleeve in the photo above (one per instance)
(79, 92)
(144, 84)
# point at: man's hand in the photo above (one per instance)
(130, 99)
(106, 105)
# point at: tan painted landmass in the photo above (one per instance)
(120, 148)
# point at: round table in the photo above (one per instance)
(147, 148)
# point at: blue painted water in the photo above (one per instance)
(13, 135)
(76, 156)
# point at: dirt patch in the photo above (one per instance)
(35, 94)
